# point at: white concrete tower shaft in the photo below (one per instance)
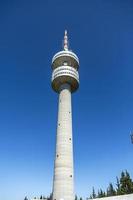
(63, 187)
(65, 80)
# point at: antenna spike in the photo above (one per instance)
(65, 42)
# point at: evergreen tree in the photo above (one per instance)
(25, 198)
(80, 198)
(93, 193)
(126, 183)
(98, 195)
(110, 190)
(41, 197)
(122, 183)
(104, 194)
(76, 198)
(129, 183)
(50, 197)
(118, 190)
(101, 193)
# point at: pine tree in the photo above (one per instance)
(126, 183)
(93, 193)
(98, 195)
(118, 190)
(122, 183)
(110, 190)
(25, 198)
(101, 193)
(76, 198)
(50, 197)
(104, 194)
(129, 183)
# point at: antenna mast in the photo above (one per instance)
(65, 42)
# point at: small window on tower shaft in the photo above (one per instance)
(70, 175)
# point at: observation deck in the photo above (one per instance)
(65, 65)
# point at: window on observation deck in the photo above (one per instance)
(65, 63)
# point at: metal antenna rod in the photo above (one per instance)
(65, 45)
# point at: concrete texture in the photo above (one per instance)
(63, 185)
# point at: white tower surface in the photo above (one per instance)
(65, 80)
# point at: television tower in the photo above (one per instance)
(65, 80)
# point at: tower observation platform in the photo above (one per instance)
(65, 66)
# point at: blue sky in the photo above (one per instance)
(101, 34)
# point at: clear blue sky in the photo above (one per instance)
(31, 32)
